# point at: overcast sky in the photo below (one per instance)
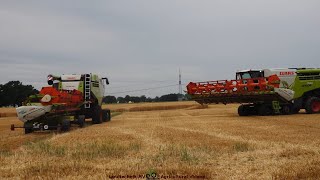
(141, 44)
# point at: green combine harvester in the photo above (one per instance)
(264, 91)
(69, 99)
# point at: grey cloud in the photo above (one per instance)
(143, 41)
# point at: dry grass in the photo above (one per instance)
(134, 107)
(8, 112)
(211, 143)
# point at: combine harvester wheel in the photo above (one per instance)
(313, 105)
(27, 128)
(97, 115)
(106, 115)
(81, 120)
(65, 125)
(265, 110)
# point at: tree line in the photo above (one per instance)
(14, 93)
(143, 98)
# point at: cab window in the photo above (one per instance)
(250, 74)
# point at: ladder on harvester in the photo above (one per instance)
(87, 90)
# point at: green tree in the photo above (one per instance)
(143, 98)
(149, 99)
(169, 97)
(156, 99)
(14, 93)
(110, 99)
(121, 100)
(127, 98)
(135, 99)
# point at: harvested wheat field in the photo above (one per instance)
(185, 142)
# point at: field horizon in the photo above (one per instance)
(175, 140)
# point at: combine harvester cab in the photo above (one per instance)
(70, 99)
(263, 92)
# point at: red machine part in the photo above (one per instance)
(234, 86)
(67, 98)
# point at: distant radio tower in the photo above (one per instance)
(180, 87)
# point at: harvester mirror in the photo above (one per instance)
(107, 81)
(50, 79)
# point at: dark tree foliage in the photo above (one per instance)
(137, 99)
(109, 99)
(156, 99)
(134, 99)
(127, 98)
(14, 93)
(143, 98)
(169, 97)
(149, 99)
(121, 100)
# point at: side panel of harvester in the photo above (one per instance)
(306, 81)
(287, 76)
(97, 88)
(307, 90)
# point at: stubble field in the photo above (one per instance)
(173, 140)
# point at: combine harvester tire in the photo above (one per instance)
(27, 128)
(243, 110)
(265, 110)
(313, 105)
(65, 125)
(97, 115)
(81, 120)
(106, 115)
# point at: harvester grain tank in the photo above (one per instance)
(69, 99)
(264, 91)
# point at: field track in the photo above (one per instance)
(172, 139)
